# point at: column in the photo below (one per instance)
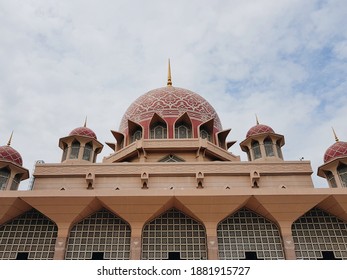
(61, 242)
(288, 241)
(212, 241)
(136, 241)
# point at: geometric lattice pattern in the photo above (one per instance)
(169, 102)
(101, 232)
(176, 232)
(83, 131)
(9, 154)
(31, 233)
(338, 149)
(258, 129)
(247, 232)
(318, 231)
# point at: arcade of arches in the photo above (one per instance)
(244, 234)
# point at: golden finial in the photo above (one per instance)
(169, 82)
(336, 138)
(256, 119)
(9, 140)
(85, 122)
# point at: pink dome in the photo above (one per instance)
(9, 154)
(170, 102)
(83, 131)
(259, 129)
(338, 149)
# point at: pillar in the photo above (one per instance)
(136, 241)
(212, 241)
(61, 242)
(288, 241)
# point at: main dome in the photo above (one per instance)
(169, 102)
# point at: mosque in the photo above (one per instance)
(172, 190)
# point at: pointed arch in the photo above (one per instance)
(318, 233)
(256, 149)
(101, 234)
(247, 235)
(342, 171)
(75, 149)
(206, 130)
(183, 127)
(279, 144)
(28, 236)
(331, 179)
(268, 145)
(171, 158)
(157, 127)
(174, 235)
(5, 174)
(135, 131)
(88, 151)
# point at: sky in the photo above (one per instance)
(284, 61)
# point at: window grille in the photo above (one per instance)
(31, 234)
(246, 233)
(171, 233)
(318, 231)
(101, 232)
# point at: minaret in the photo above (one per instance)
(11, 167)
(334, 168)
(262, 143)
(80, 145)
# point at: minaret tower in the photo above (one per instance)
(12, 171)
(81, 145)
(334, 168)
(262, 143)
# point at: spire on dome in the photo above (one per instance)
(169, 82)
(336, 138)
(85, 122)
(256, 119)
(9, 140)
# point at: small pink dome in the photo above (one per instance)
(338, 149)
(259, 129)
(9, 154)
(83, 131)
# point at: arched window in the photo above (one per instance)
(205, 135)
(136, 136)
(342, 171)
(269, 147)
(256, 149)
(183, 131)
(248, 154)
(15, 182)
(158, 131)
(65, 149)
(331, 179)
(75, 148)
(88, 149)
(279, 151)
(4, 176)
